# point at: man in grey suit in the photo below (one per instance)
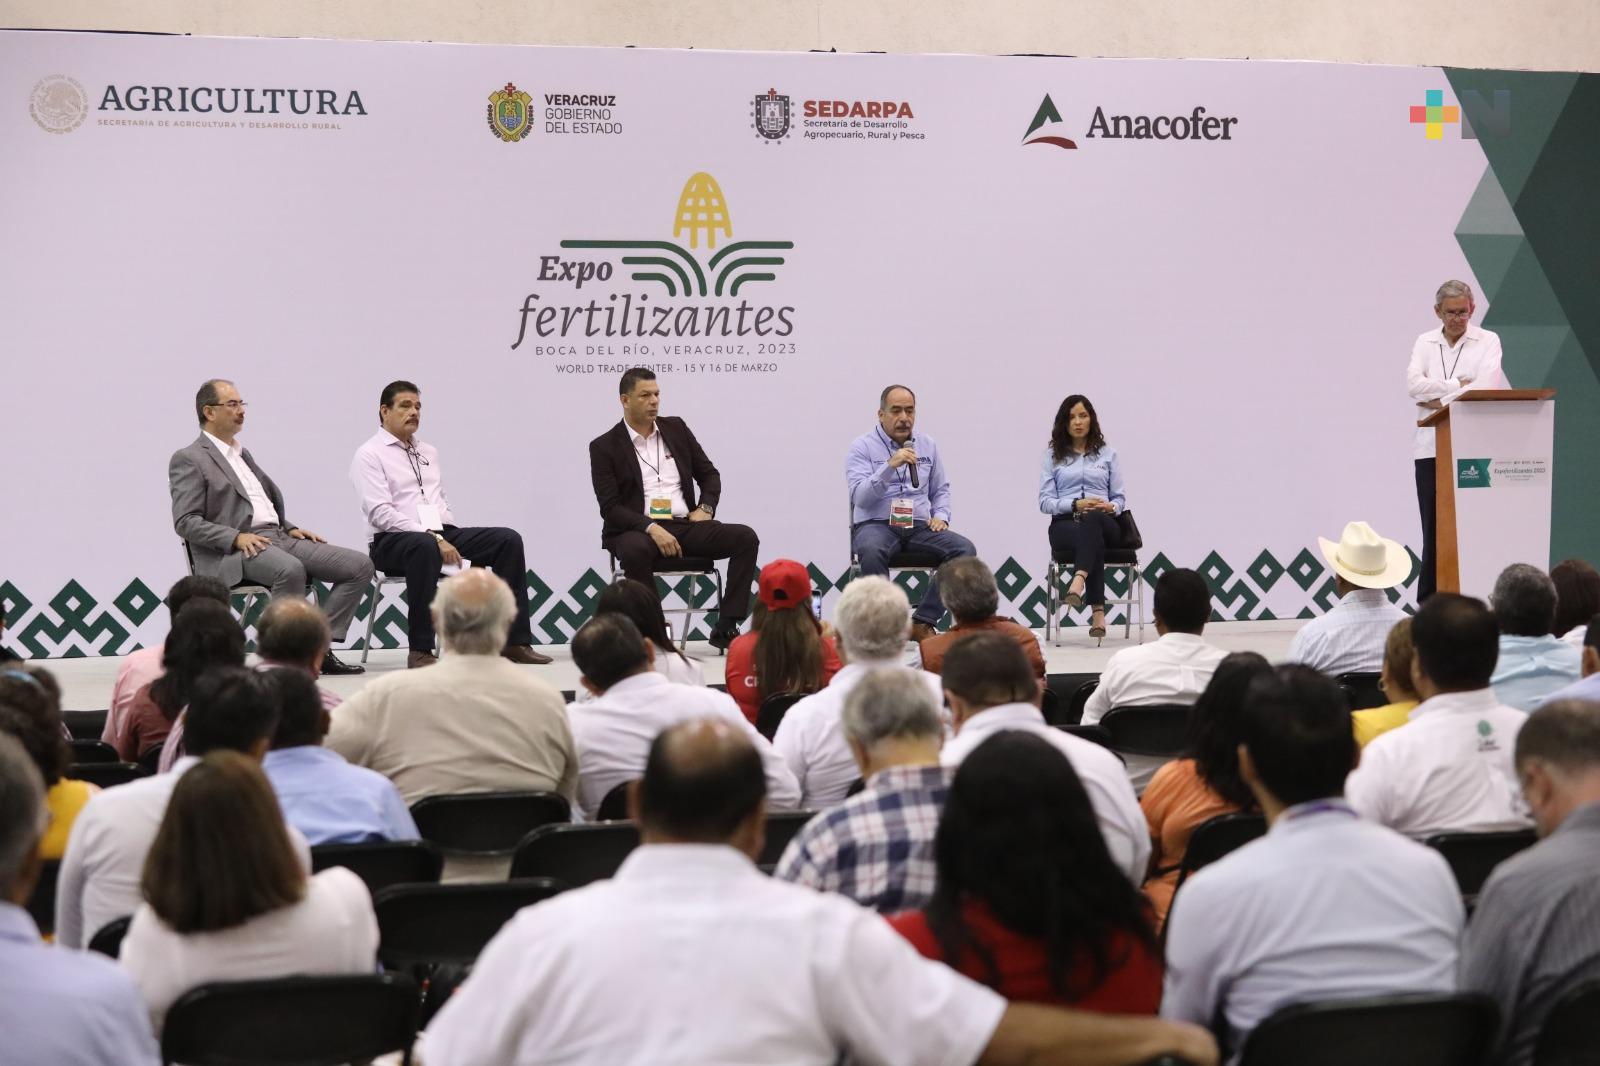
(231, 515)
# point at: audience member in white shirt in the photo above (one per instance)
(1449, 768)
(227, 900)
(1349, 639)
(638, 603)
(1577, 599)
(1326, 905)
(991, 688)
(1532, 662)
(873, 622)
(632, 704)
(690, 955)
(229, 710)
(1174, 669)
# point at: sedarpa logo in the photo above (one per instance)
(698, 291)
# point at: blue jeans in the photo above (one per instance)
(874, 542)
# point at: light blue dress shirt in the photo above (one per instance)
(333, 802)
(1099, 474)
(1530, 668)
(66, 1008)
(1587, 689)
(874, 484)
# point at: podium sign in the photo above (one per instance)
(1493, 482)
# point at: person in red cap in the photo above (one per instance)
(789, 650)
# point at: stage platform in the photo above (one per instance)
(86, 683)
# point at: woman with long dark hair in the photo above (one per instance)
(641, 606)
(1577, 599)
(30, 710)
(226, 897)
(204, 635)
(1204, 783)
(1027, 898)
(789, 651)
(1080, 487)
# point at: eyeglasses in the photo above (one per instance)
(232, 405)
(1467, 313)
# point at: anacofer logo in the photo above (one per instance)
(1047, 115)
(510, 113)
(662, 269)
(1196, 125)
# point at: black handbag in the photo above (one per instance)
(1130, 531)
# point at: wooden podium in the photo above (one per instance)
(1495, 452)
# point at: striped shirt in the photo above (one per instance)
(1536, 932)
(877, 846)
(1348, 639)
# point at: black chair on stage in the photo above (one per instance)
(614, 808)
(383, 863)
(106, 774)
(1473, 856)
(1401, 1030)
(1570, 1035)
(107, 940)
(486, 823)
(88, 751)
(1126, 559)
(308, 1021)
(85, 725)
(575, 855)
(1362, 691)
(902, 562)
(1216, 837)
(773, 708)
(42, 903)
(1159, 729)
(694, 567)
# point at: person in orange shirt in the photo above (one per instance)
(1394, 682)
(969, 590)
(1205, 782)
(788, 650)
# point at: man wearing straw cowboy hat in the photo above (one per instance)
(1349, 639)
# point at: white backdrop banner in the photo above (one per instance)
(1231, 259)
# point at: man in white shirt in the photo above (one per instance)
(1326, 905)
(633, 704)
(231, 709)
(690, 955)
(412, 532)
(1533, 663)
(991, 688)
(474, 722)
(231, 516)
(1449, 768)
(1349, 639)
(873, 624)
(1445, 362)
(1174, 669)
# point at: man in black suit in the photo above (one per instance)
(645, 471)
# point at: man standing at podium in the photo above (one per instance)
(1445, 362)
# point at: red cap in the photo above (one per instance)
(785, 584)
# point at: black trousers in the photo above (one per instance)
(1427, 504)
(711, 539)
(1087, 539)
(416, 556)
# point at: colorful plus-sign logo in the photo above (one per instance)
(1434, 114)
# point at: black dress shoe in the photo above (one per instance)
(334, 667)
(724, 633)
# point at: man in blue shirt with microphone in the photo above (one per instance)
(900, 499)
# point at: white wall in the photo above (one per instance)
(1533, 34)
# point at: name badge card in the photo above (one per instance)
(902, 513)
(661, 507)
(428, 515)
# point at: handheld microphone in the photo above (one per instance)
(911, 442)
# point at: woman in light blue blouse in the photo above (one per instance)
(1080, 487)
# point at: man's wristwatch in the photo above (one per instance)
(437, 536)
(711, 512)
